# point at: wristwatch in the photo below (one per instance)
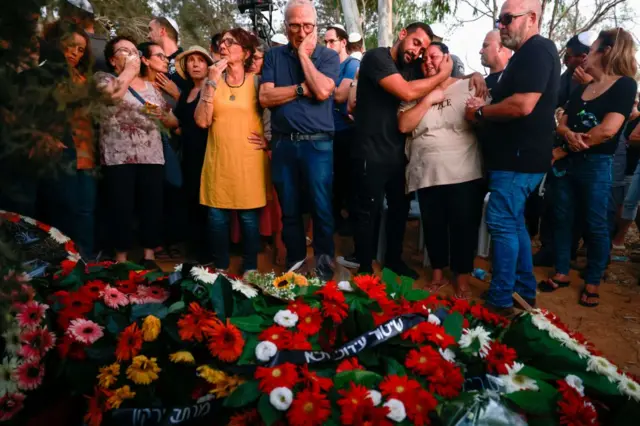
(299, 90)
(479, 115)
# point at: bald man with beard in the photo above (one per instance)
(518, 154)
(494, 56)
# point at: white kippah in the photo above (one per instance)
(82, 4)
(173, 23)
(338, 26)
(354, 37)
(279, 38)
(588, 38)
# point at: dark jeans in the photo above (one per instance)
(342, 174)
(308, 164)
(585, 189)
(451, 217)
(132, 187)
(175, 215)
(512, 260)
(218, 220)
(372, 182)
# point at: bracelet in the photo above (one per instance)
(211, 83)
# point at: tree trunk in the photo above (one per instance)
(385, 24)
(351, 15)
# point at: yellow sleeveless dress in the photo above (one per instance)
(233, 174)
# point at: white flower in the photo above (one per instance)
(560, 335)
(266, 350)
(578, 348)
(248, 291)
(447, 354)
(7, 368)
(345, 286)
(376, 397)
(178, 268)
(29, 220)
(433, 319)
(629, 387)
(471, 335)
(541, 322)
(286, 318)
(575, 382)
(12, 340)
(281, 398)
(603, 366)
(202, 274)
(514, 382)
(58, 236)
(74, 257)
(397, 413)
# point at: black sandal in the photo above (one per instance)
(589, 295)
(547, 285)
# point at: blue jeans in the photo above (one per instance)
(219, 236)
(512, 259)
(586, 189)
(632, 198)
(308, 164)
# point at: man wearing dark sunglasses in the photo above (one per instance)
(521, 121)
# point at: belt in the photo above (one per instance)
(304, 137)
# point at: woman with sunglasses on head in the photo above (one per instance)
(131, 149)
(445, 169)
(592, 121)
(233, 176)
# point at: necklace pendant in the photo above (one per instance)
(232, 97)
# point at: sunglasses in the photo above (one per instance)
(508, 18)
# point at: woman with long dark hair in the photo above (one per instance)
(592, 121)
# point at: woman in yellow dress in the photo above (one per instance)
(233, 175)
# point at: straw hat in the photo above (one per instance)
(181, 60)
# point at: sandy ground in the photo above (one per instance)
(614, 326)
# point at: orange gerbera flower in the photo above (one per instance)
(225, 341)
(399, 387)
(309, 408)
(191, 326)
(129, 343)
(284, 375)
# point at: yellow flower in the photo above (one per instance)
(150, 328)
(223, 385)
(108, 375)
(143, 370)
(288, 279)
(184, 357)
(119, 395)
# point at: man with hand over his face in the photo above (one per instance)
(522, 125)
(298, 81)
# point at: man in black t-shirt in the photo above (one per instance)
(387, 76)
(521, 118)
(494, 56)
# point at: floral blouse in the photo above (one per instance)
(127, 135)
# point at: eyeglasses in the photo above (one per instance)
(508, 18)
(227, 42)
(161, 56)
(295, 28)
(127, 51)
(328, 42)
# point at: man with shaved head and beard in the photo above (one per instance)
(494, 56)
(518, 154)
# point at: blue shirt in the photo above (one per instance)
(302, 115)
(348, 69)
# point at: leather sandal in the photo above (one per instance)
(589, 296)
(548, 286)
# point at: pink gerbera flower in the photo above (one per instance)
(85, 331)
(152, 294)
(114, 298)
(10, 404)
(36, 343)
(31, 314)
(29, 374)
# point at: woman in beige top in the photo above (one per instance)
(445, 168)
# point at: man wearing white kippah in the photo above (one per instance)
(355, 46)
(164, 32)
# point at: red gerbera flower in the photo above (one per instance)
(371, 285)
(192, 325)
(500, 357)
(36, 343)
(309, 320)
(444, 377)
(97, 405)
(68, 266)
(348, 365)
(331, 292)
(427, 331)
(129, 343)
(355, 400)
(316, 383)
(420, 361)
(92, 289)
(127, 286)
(76, 303)
(483, 314)
(309, 408)
(460, 305)
(247, 418)
(399, 387)
(69, 347)
(418, 408)
(577, 412)
(284, 375)
(226, 341)
(336, 311)
(299, 342)
(278, 335)
(11, 217)
(10, 404)
(296, 306)
(31, 314)
(29, 374)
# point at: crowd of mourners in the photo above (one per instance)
(305, 135)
